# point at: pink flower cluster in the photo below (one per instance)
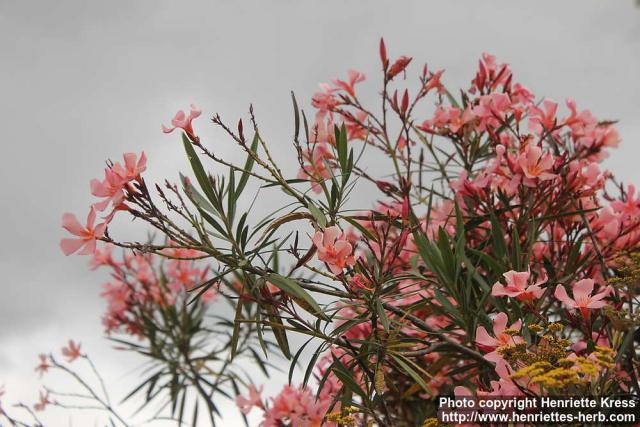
(117, 180)
(294, 406)
(534, 153)
(142, 282)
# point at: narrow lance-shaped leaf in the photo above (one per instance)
(248, 166)
(317, 214)
(198, 170)
(302, 297)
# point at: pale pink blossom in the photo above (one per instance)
(102, 257)
(630, 206)
(111, 189)
(534, 164)
(87, 234)
(132, 167)
(490, 73)
(116, 178)
(521, 95)
(72, 351)
(360, 282)
(254, 400)
(316, 167)
(296, 407)
(356, 126)
(325, 100)
(183, 121)
(334, 249)
(499, 339)
(504, 387)
(542, 120)
(600, 339)
(491, 110)
(353, 77)
(43, 365)
(44, 401)
(606, 224)
(517, 286)
(452, 117)
(435, 82)
(322, 131)
(583, 299)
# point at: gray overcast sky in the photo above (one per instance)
(83, 81)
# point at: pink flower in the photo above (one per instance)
(360, 282)
(504, 387)
(103, 257)
(316, 167)
(44, 401)
(630, 207)
(333, 249)
(491, 344)
(354, 77)
(490, 73)
(354, 125)
(543, 120)
(298, 406)
(133, 166)
(325, 100)
(116, 178)
(582, 298)
(255, 399)
(492, 110)
(43, 366)
(606, 224)
(111, 188)
(447, 116)
(72, 351)
(536, 165)
(517, 286)
(398, 66)
(183, 121)
(87, 235)
(435, 82)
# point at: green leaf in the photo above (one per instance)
(451, 99)
(248, 166)
(198, 170)
(341, 145)
(405, 365)
(196, 197)
(382, 315)
(296, 117)
(277, 327)
(231, 196)
(497, 236)
(236, 328)
(292, 288)
(346, 378)
(361, 228)
(317, 214)
(294, 361)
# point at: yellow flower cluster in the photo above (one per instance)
(344, 417)
(547, 366)
(550, 349)
(434, 422)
